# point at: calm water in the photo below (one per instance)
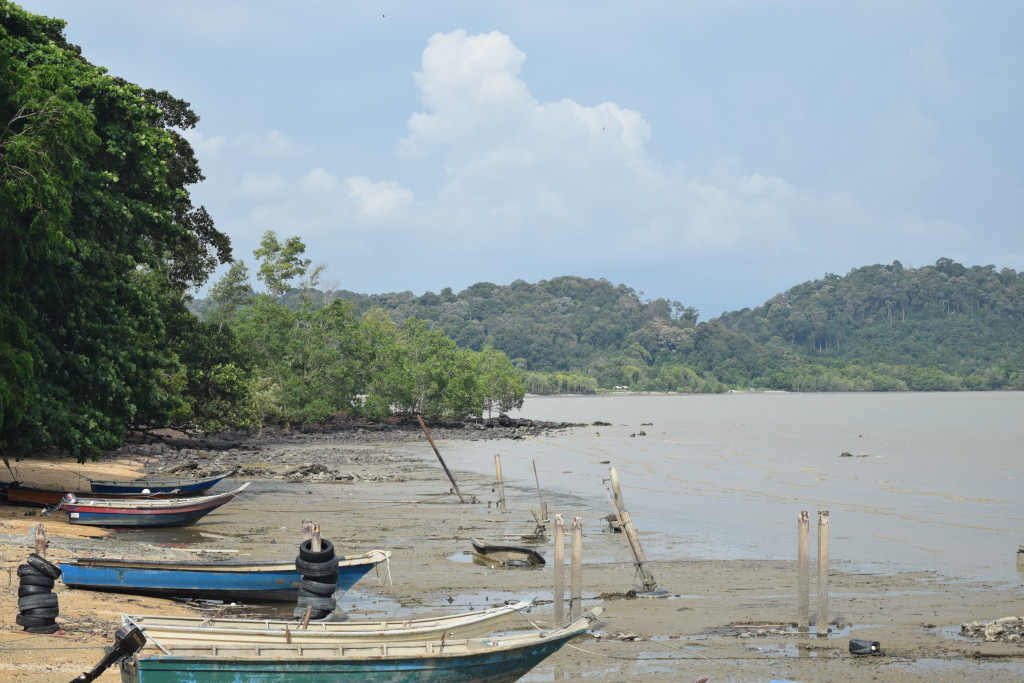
(935, 481)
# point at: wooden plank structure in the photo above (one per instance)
(173, 630)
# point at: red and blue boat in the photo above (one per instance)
(144, 512)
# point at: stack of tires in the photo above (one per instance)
(37, 603)
(319, 572)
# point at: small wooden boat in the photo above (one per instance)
(492, 660)
(169, 630)
(154, 484)
(245, 581)
(144, 512)
(16, 493)
(505, 555)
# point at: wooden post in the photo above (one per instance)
(822, 626)
(307, 530)
(632, 540)
(576, 571)
(616, 492)
(559, 571)
(438, 454)
(543, 503)
(501, 484)
(315, 541)
(803, 580)
(40, 540)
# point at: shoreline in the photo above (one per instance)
(725, 619)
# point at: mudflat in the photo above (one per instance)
(726, 620)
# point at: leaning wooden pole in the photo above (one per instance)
(501, 484)
(559, 571)
(438, 454)
(543, 502)
(822, 626)
(576, 571)
(803, 581)
(632, 540)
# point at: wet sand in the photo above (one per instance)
(728, 620)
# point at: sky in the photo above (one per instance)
(710, 152)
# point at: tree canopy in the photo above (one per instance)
(98, 229)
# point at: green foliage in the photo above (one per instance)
(94, 217)
(502, 386)
(281, 263)
(963, 322)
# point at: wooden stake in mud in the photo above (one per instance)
(501, 484)
(438, 454)
(559, 571)
(803, 581)
(576, 571)
(616, 492)
(632, 540)
(543, 503)
(40, 540)
(307, 530)
(822, 626)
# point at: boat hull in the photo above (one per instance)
(253, 582)
(145, 512)
(256, 582)
(16, 494)
(139, 517)
(182, 485)
(505, 555)
(488, 665)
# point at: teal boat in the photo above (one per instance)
(496, 659)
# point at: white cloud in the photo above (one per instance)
(378, 200)
(320, 181)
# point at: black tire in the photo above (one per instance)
(44, 566)
(36, 580)
(24, 620)
(31, 590)
(314, 569)
(314, 615)
(37, 601)
(29, 570)
(318, 603)
(317, 587)
(50, 612)
(325, 553)
(49, 628)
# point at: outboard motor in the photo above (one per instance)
(127, 641)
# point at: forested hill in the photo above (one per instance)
(880, 327)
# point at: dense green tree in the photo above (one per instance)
(93, 207)
(502, 386)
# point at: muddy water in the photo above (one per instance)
(932, 481)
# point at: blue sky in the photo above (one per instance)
(712, 152)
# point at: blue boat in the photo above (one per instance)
(155, 485)
(243, 581)
(495, 659)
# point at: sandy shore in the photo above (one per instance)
(724, 620)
